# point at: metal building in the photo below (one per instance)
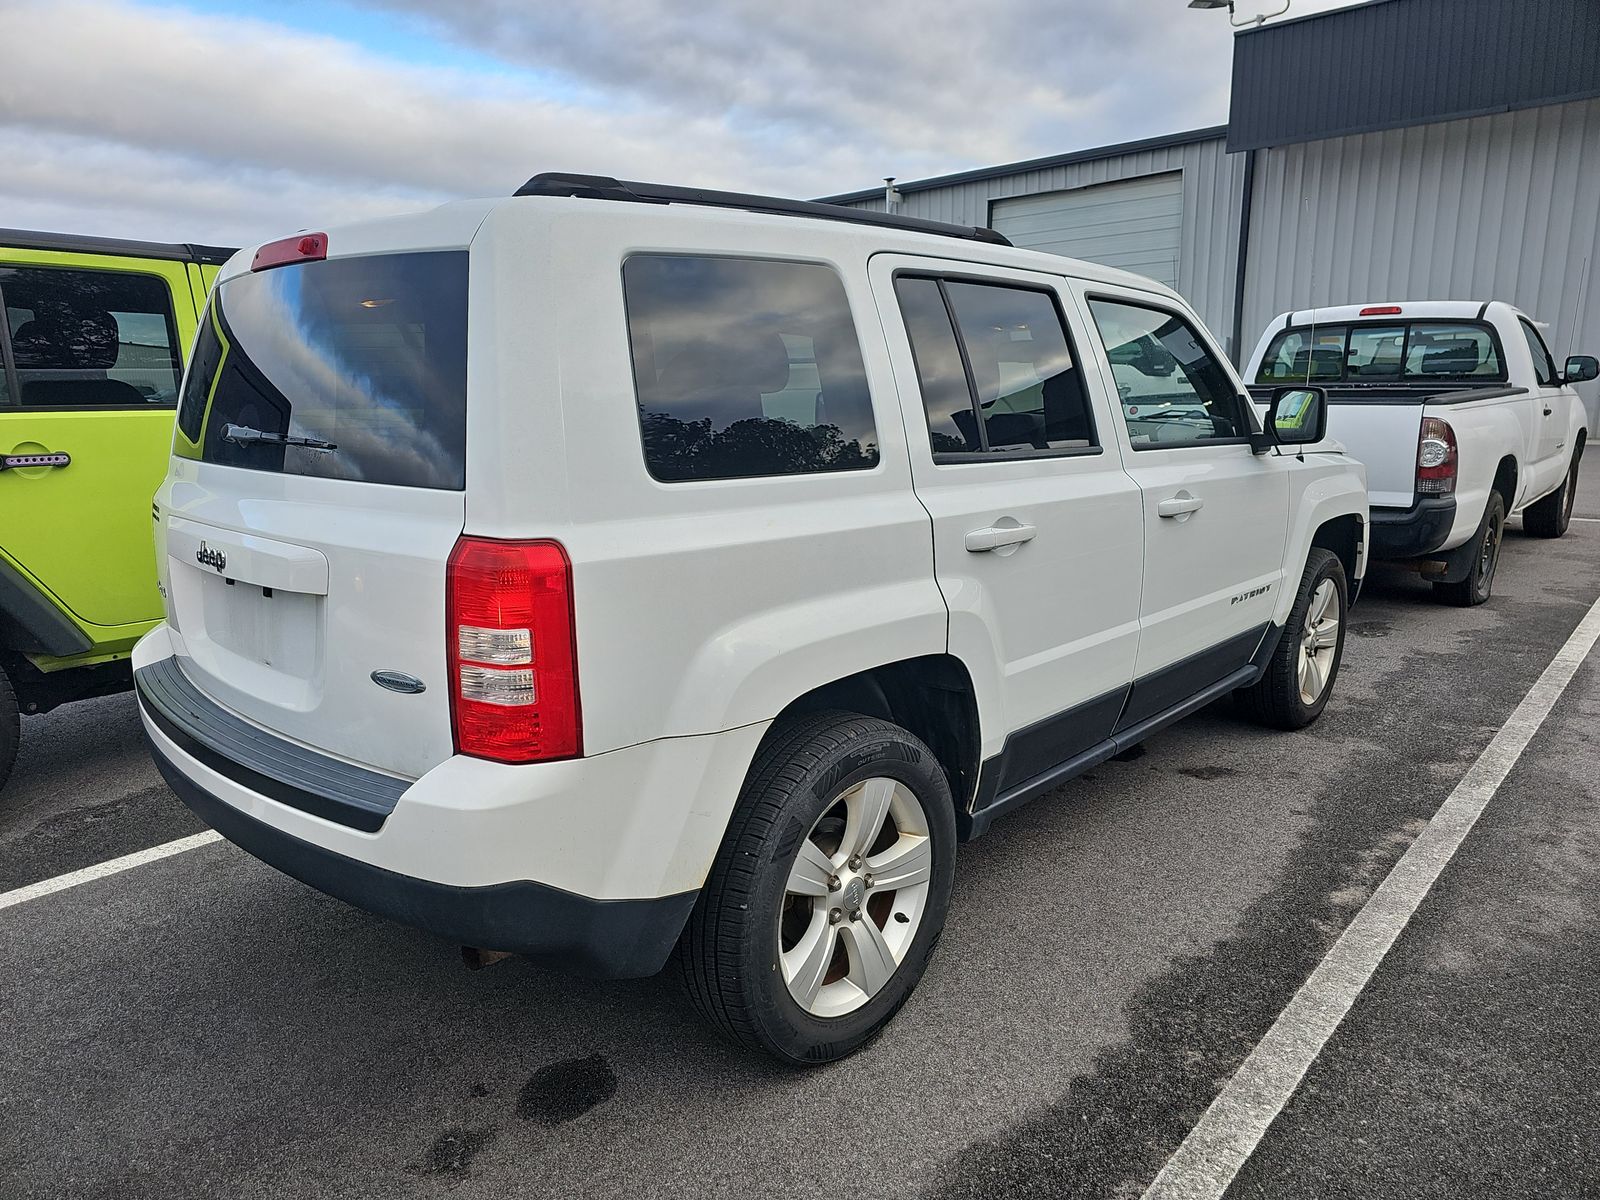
(1398, 150)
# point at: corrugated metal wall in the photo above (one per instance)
(1504, 207)
(1213, 185)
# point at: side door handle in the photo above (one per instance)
(1180, 505)
(14, 462)
(996, 536)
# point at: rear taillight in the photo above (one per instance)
(513, 659)
(1436, 458)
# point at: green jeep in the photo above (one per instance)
(92, 344)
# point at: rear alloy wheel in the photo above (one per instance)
(1294, 688)
(829, 893)
(10, 727)
(1552, 516)
(1479, 583)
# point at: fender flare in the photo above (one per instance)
(32, 621)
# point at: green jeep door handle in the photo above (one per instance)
(11, 461)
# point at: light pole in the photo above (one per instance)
(1228, 4)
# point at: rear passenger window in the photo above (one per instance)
(746, 367)
(90, 339)
(1174, 391)
(996, 368)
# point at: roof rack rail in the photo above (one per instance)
(603, 187)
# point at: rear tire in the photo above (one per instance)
(1479, 583)
(798, 946)
(1552, 516)
(1295, 687)
(10, 726)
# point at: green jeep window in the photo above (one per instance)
(90, 339)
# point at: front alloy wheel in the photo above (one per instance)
(1319, 642)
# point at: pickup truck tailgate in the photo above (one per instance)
(1383, 437)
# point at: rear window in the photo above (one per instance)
(1398, 352)
(354, 368)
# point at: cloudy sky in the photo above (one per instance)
(234, 120)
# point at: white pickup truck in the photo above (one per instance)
(1460, 415)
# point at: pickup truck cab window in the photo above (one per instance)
(997, 368)
(1544, 367)
(1173, 391)
(1410, 352)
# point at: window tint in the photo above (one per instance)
(90, 339)
(1450, 350)
(946, 399)
(1030, 390)
(1414, 353)
(1184, 395)
(197, 383)
(1024, 381)
(746, 367)
(1376, 352)
(1299, 352)
(365, 359)
(1544, 367)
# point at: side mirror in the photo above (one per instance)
(1581, 368)
(1298, 416)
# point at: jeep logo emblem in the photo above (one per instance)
(207, 557)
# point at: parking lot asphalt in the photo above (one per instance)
(203, 1026)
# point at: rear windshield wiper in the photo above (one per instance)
(243, 435)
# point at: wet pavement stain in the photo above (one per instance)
(453, 1150)
(564, 1091)
(1207, 772)
(1190, 1028)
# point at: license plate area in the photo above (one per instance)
(262, 641)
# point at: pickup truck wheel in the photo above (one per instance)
(1478, 584)
(1552, 516)
(1295, 687)
(829, 893)
(10, 726)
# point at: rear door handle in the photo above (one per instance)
(12, 462)
(1180, 505)
(996, 536)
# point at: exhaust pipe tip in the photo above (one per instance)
(476, 958)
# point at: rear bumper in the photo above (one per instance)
(1415, 531)
(588, 864)
(613, 939)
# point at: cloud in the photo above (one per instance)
(140, 120)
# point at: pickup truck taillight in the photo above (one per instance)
(1436, 458)
(513, 658)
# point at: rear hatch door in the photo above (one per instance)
(316, 491)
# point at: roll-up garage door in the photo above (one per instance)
(1133, 224)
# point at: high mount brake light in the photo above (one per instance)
(1436, 458)
(1382, 310)
(302, 247)
(513, 658)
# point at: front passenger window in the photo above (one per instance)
(1173, 390)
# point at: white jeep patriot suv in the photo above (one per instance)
(614, 568)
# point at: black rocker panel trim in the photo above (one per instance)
(998, 789)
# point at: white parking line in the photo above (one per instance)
(127, 862)
(1586, 518)
(1230, 1129)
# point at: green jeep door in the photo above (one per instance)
(92, 354)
